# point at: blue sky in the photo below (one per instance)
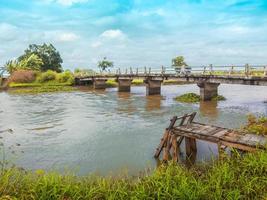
(137, 33)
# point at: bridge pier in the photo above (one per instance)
(153, 87)
(124, 84)
(208, 90)
(99, 83)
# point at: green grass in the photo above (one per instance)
(239, 178)
(42, 89)
(194, 98)
(188, 98)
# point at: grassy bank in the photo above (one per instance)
(239, 178)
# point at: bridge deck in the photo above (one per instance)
(192, 131)
(215, 134)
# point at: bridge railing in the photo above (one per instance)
(214, 70)
(231, 70)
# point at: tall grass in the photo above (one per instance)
(239, 178)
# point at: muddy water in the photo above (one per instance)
(106, 131)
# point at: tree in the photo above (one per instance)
(47, 53)
(178, 62)
(105, 64)
(29, 62)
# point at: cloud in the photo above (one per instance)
(113, 34)
(68, 37)
(65, 2)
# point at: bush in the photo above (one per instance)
(22, 76)
(188, 98)
(65, 77)
(47, 76)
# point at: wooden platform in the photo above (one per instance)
(191, 131)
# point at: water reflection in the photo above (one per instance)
(126, 103)
(209, 108)
(153, 102)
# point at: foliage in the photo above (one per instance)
(256, 125)
(50, 57)
(178, 62)
(194, 98)
(65, 77)
(43, 89)
(239, 178)
(137, 82)
(188, 98)
(22, 76)
(218, 98)
(29, 62)
(47, 76)
(83, 72)
(105, 64)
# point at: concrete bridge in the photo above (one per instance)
(207, 80)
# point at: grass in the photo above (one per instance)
(256, 126)
(42, 89)
(194, 98)
(239, 178)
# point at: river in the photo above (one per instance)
(108, 132)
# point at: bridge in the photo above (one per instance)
(208, 78)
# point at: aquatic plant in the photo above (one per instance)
(188, 98)
(194, 98)
(218, 98)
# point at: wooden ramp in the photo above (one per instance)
(191, 131)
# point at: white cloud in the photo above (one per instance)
(70, 2)
(113, 34)
(68, 37)
(65, 2)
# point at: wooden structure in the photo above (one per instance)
(191, 131)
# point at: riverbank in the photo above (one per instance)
(55, 86)
(238, 178)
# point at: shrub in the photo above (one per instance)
(65, 77)
(188, 98)
(47, 76)
(256, 125)
(22, 76)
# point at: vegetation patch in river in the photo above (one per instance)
(194, 98)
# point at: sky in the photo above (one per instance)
(137, 33)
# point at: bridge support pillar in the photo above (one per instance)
(153, 87)
(208, 90)
(99, 83)
(124, 84)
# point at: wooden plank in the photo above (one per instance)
(220, 133)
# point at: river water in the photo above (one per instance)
(108, 132)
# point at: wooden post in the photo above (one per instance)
(145, 70)
(137, 71)
(204, 70)
(131, 70)
(231, 71)
(247, 70)
(191, 150)
(211, 69)
(175, 149)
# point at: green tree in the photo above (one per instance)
(11, 66)
(49, 55)
(105, 64)
(178, 62)
(29, 62)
